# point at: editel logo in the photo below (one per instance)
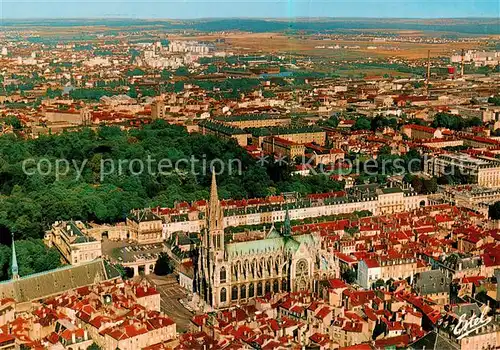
(466, 326)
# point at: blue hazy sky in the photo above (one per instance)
(183, 9)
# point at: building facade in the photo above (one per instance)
(372, 270)
(231, 273)
(75, 247)
(378, 201)
(282, 147)
(224, 131)
(145, 227)
(255, 121)
(483, 171)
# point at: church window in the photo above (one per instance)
(234, 293)
(268, 287)
(251, 291)
(243, 291)
(223, 296)
(275, 286)
(301, 268)
(235, 272)
(284, 286)
(259, 289)
(259, 270)
(245, 268)
(222, 274)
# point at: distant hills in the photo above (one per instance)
(479, 26)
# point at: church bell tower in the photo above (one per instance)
(215, 219)
(211, 252)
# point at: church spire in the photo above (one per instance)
(14, 267)
(215, 217)
(214, 196)
(287, 227)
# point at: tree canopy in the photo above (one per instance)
(455, 122)
(362, 123)
(349, 276)
(164, 265)
(332, 122)
(30, 203)
(494, 100)
(32, 257)
(13, 121)
(494, 211)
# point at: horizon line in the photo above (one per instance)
(299, 18)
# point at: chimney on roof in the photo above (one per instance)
(73, 338)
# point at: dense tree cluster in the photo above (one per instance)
(13, 121)
(228, 88)
(455, 122)
(495, 100)
(135, 72)
(30, 203)
(494, 211)
(387, 164)
(164, 265)
(362, 123)
(32, 257)
(349, 275)
(380, 122)
(332, 122)
(455, 177)
(420, 185)
(181, 72)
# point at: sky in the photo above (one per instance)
(190, 9)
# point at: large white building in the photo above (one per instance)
(188, 46)
(372, 270)
(483, 171)
(378, 201)
(75, 247)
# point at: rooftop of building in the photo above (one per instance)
(248, 117)
(284, 131)
(221, 127)
(466, 159)
(143, 215)
(40, 285)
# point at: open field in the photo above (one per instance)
(371, 72)
(279, 43)
(241, 42)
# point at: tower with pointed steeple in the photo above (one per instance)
(14, 267)
(215, 219)
(287, 226)
(249, 266)
(211, 253)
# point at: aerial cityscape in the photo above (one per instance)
(249, 175)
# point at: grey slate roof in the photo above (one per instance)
(53, 282)
(432, 282)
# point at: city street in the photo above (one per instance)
(171, 292)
